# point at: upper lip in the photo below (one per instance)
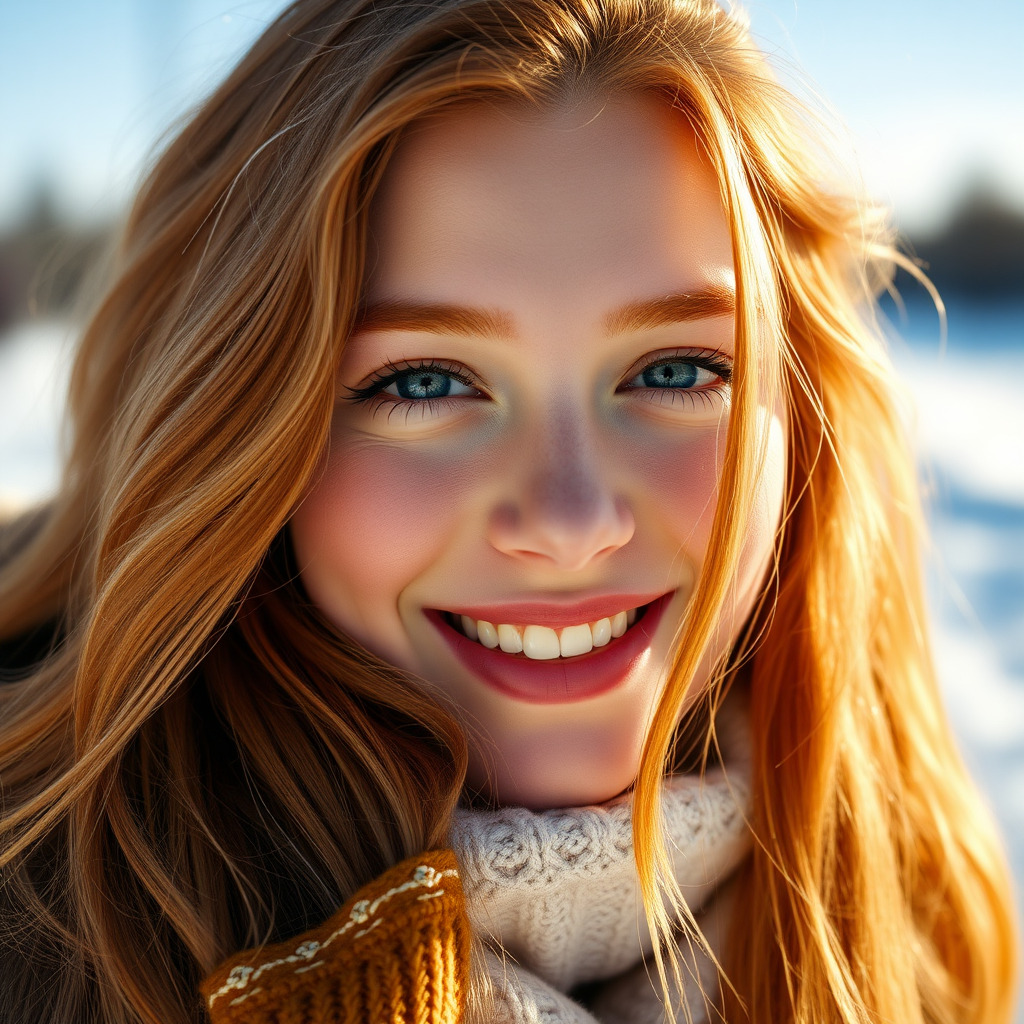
(555, 614)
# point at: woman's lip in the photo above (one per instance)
(552, 614)
(561, 680)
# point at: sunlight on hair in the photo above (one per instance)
(201, 762)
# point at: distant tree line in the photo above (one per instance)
(978, 254)
(44, 260)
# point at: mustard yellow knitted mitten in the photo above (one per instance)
(396, 953)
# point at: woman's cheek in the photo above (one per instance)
(679, 482)
(766, 511)
(378, 517)
(676, 485)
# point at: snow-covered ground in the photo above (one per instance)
(34, 360)
(970, 419)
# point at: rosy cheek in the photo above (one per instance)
(378, 517)
(682, 483)
(767, 508)
(678, 477)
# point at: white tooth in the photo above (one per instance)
(575, 640)
(487, 633)
(619, 623)
(469, 627)
(630, 616)
(509, 639)
(601, 631)
(540, 643)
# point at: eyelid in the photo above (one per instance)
(384, 376)
(710, 359)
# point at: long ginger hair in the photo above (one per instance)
(198, 761)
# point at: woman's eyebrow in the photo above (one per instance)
(449, 318)
(677, 307)
(435, 317)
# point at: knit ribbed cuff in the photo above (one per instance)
(396, 953)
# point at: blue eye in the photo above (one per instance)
(416, 384)
(680, 374)
(419, 385)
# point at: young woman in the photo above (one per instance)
(488, 513)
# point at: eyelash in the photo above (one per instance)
(384, 377)
(706, 359)
(390, 372)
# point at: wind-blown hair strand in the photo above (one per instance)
(199, 762)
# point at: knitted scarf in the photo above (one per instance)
(555, 899)
(555, 895)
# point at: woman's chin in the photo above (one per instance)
(541, 788)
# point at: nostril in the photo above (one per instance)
(542, 526)
(530, 556)
(569, 559)
(567, 547)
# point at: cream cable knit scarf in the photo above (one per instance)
(555, 893)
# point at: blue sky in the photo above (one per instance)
(932, 92)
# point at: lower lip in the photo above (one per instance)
(560, 680)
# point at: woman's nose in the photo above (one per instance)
(561, 510)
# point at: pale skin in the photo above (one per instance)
(536, 263)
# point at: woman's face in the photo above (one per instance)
(530, 423)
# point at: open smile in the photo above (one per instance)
(542, 643)
(553, 661)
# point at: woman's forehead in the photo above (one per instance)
(611, 197)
